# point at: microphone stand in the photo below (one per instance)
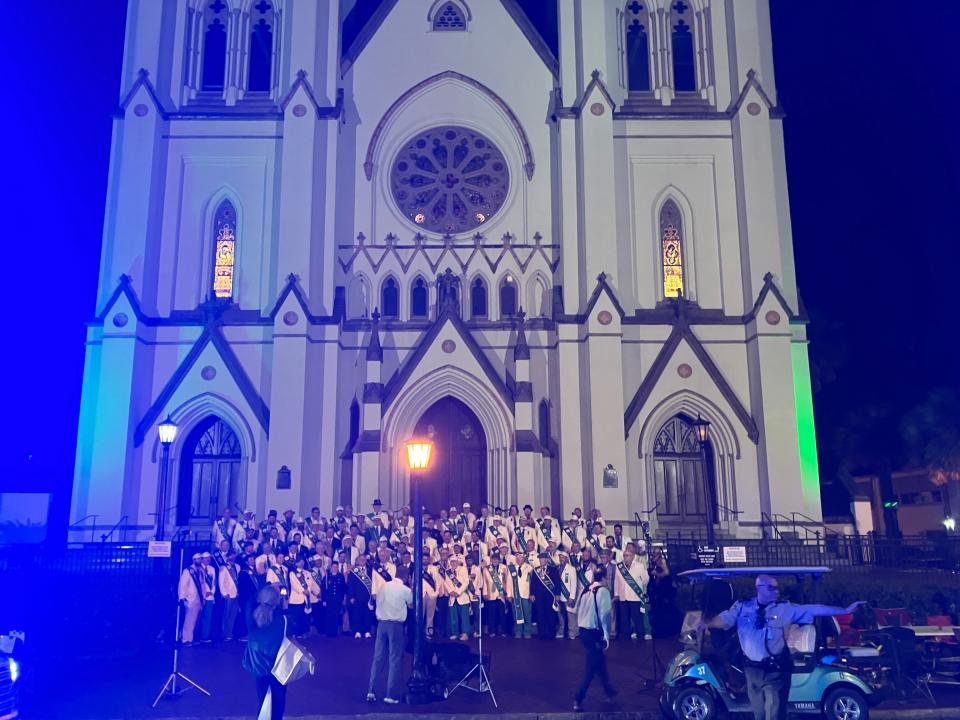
(657, 668)
(484, 684)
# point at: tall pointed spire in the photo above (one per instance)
(374, 350)
(521, 351)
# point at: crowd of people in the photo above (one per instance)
(528, 570)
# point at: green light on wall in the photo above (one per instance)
(806, 429)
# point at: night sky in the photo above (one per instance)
(870, 92)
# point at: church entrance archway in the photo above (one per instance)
(209, 478)
(458, 467)
(683, 472)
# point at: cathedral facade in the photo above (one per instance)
(552, 236)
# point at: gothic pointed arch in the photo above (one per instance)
(214, 31)
(374, 148)
(637, 44)
(674, 250)
(210, 472)
(682, 46)
(479, 303)
(260, 45)
(390, 298)
(538, 299)
(358, 296)
(508, 295)
(419, 298)
(449, 16)
(224, 250)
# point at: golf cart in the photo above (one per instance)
(698, 685)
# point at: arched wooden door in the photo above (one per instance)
(458, 466)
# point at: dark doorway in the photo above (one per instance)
(458, 466)
(682, 470)
(209, 473)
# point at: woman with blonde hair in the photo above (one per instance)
(266, 624)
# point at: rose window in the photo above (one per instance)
(449, 179)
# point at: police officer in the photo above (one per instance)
(762, 624)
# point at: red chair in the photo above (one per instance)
(847, 634)
(895, 617)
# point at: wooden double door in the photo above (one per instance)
(458, 465)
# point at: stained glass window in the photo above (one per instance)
(681, 35)
(225, 228)
(636, 20)
(670, 234)
(449, 17)
(449, 179)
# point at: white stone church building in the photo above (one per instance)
(549, 234)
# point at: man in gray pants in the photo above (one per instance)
(393, 599)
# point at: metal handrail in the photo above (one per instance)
(108, 535)
(818, 523)
(93, 528)
(765, 520)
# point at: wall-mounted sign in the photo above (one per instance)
(283, 478)
(735, 554)
(610, 479)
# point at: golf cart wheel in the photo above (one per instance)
(845, 703)
(695, 703)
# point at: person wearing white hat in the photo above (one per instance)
(573, 532)
(190, 593)
(457, 583)
(547, 532)
(469, 519)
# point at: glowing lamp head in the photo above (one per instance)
(701, 426)
(950, 523)
(418, 454)
(168, 431)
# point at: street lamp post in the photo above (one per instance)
(702, 427)
(168, 433)
(418, 458)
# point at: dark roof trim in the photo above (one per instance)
(529, 164)
(124, 287)
(533, 36)
(540, 47)
(292, 285)
(210, 334)
(323, 111)
(769, 286)
(400, 377)
(681, 331)
(143, 80)
(775, 110)
(366, 33)
(601, 287)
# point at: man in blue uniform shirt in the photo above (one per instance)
(762, 625)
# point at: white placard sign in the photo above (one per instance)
(735, 554)
(159, 548)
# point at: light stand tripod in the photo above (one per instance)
(169, 688)
(484, 679)
(657, 668)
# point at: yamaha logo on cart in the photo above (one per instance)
(807, 706)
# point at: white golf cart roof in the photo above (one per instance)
(721, 572)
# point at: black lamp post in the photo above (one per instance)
(418, 458)
(168, 433)
(702, 427)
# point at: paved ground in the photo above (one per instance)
(531, 678)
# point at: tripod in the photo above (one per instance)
(169, 688)
(484, 680)
(657, 668)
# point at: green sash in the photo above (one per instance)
(634, 585)
(428, 578)
(517, 604)
(495, 532)
(570, 534)
(581, 574)
(563, 586)
(498, 581)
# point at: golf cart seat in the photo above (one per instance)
(802, 644)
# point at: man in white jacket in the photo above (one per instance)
(190, 593)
